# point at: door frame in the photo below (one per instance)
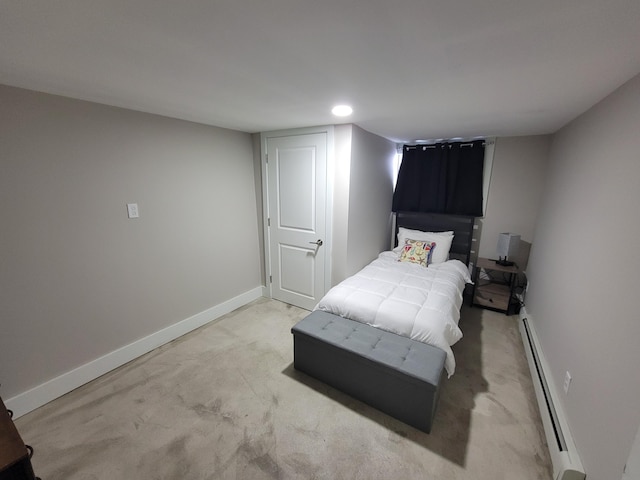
(328, 242)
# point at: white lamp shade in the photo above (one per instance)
(508, 244)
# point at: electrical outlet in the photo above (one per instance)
(132, 210)
(567, 381)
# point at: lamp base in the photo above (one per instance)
(505, 263)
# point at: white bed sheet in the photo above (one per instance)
(405, 298)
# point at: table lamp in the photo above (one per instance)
(508, 244)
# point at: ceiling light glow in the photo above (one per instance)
(342, 110)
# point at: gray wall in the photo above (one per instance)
(257, 168)
(370, 198)
(362, 193)
(517, 180)
(583, 265)
(78, 279)
(342, 136)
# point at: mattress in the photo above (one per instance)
(421, 303)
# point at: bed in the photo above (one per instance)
(384, 335)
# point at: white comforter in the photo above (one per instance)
(405, 298)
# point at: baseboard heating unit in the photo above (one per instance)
(564, 456)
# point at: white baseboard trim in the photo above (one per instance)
(562, 449)
(56, 387)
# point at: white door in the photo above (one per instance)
(296, 170)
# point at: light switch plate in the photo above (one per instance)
(132, 210)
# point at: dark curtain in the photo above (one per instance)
(441, 178)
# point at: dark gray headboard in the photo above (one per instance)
(461, 225)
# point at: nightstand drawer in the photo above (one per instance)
(493, 295)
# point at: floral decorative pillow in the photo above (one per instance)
(417, 251)
(443, 240)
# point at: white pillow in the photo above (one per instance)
(440, 252)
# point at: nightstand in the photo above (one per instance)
(496, 292)
(15, 456)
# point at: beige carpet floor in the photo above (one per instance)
(224, 402)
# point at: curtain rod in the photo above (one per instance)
(465, 143)
(441, 145)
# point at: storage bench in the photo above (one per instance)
(398, 376)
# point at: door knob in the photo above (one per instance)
(317, 242)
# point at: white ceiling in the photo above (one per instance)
(412, 69)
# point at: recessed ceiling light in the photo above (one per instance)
(342, 110)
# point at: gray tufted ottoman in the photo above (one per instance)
(394, 374)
